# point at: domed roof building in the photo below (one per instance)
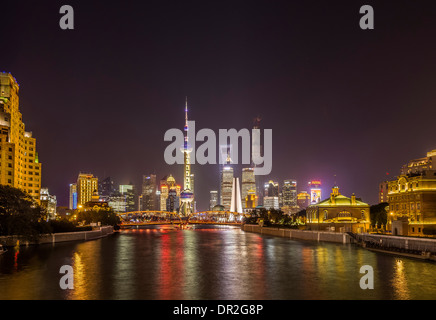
(339, 213)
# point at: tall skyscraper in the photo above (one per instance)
(213, 199)
(117, 202)
(87, 184)
(168, 184)
(19, 163)
(258, 179)
(236, 203)
(226, 177)
(303, 200)
(315, 191)
(128, 191)
(248, 184)
(271, 189)
(289, 192)
(288, 202)
(172, 202)
(148, 195)
(271, 195)
(106, 187)
(73, 196)
(226, 186)
(49, 203)
(187, 195)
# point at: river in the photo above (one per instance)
(209, 262)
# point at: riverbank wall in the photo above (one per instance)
(10, 241)
(403, 243)
(300, 234)
(419, 248)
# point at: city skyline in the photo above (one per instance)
(344, 96)
(218, 158)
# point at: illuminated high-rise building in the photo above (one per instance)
(248, 183)
(128, 191)
(213, 199)
(258, 178)
(271, 189)
(303, 199)
(87, 185)
(148, 198)
(226, 186)
(167, 185)
(289, 197)
(289, 192)
(19, 163)
(49, 203)
(73, 196)
(250, 200)
(271, 202)
(226, 176)
(315, 191)
(173, 200)
(194, 202)
(106, 187)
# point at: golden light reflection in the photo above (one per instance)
(399, 281)
(339, 263)
(79, 291)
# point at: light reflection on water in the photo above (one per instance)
(209, 263)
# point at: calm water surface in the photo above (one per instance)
(209, 263)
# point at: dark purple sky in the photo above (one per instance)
(340, 100)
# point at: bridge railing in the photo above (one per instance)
(166, 215)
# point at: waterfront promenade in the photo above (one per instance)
(96, 233)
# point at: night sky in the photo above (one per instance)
(340, 100)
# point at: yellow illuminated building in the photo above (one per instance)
(167, 185)
(339, 213)
(250, 199)
(19, 164)
(87, 186)
(412, 198)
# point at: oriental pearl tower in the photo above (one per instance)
(187, 196)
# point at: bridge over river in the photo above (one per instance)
(143, 218)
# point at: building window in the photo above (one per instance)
(344, 214)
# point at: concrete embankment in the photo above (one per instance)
(421, 248)
(300, 234)
(60, 237)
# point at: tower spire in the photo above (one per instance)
(186, 112)
(187, 195)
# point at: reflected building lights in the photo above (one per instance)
(399, 281)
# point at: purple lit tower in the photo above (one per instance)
(187, 195)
